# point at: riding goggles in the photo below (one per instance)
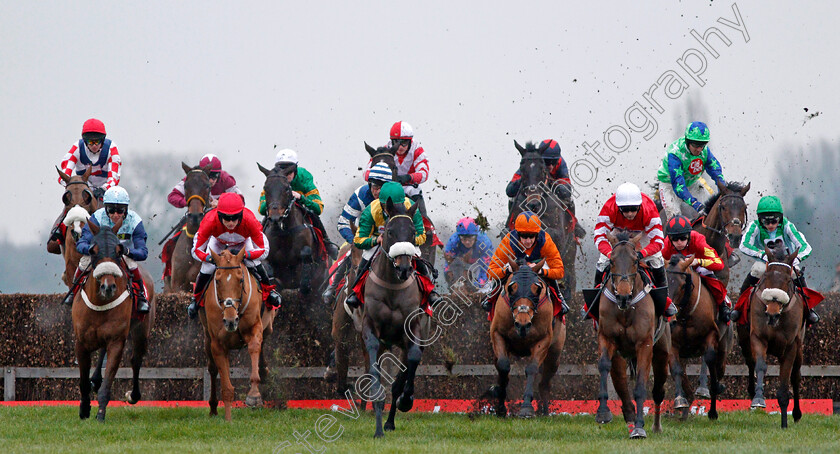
(629, 209)
(527, 235)
(773, 219)
(93, 141)
(695, 143)
(683, 237)
(214, 175)
(118, 209)
(230, 217)
(402, 142)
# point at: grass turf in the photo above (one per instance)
(157, 430)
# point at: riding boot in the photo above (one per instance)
(725, 311)
(426, 270)
(55, 240)
(564, 307)
(139, 291)
(812, 316)
(329, 294)
(77, 282)
(200, 284)
(599, 278)
(352, 300)
(750, 281)
(660, 281)
(273, 299)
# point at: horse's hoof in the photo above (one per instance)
(657, 428)
(797, 415)
(389, 426)
(680, 402)
(253, 401)
(713, 415)
(758, 402)
(84, 413)
(379, 434)
(130, 399)
(721, 388)
(100, 416)
(501, 411)
(638, 432)
(702, 392)
(405, 403)
(603, 417)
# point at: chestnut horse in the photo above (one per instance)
(695, 333)
(184, 266)
(102, 319)
(231, 320)
(526, 328)
(77, 193)
(777, 328)
(628, 328)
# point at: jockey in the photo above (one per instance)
(527, 241)
(682, 239)
(220, 182)
(372, 223)
(680, 177)
(100, 154)
(361, 198)
(772, 226)
(629, 209)
(412, 166)
(470, 245)
(231, 226)
(304, 190)
(132, 247)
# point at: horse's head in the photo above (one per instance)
(105, 261)
(398, 237)
(624, 266)
(524, 290)
(197, 191)
(680, 284)
(777, 288)
(230, 286)
(730, 211)
(383, 154)
(533, 173)
(278, 192)
(77, 191)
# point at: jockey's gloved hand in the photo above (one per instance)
(403, 179)
(98, 193)
(640, 256)
(699, 207)
(122, 250)
(209, 259)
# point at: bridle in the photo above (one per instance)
(734, 221)
(791, 288)
(229, 302)
(630, 278)
(535, 299)
(393, 260)
(281, 221)
(687, 288)
(87, 190)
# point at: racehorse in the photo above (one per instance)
(293, 248)
(102, 320)
(392, 313)
(388, 156)
(539, 194)
(458, 276)
(725, 222)
(77, 193)
(184, 266)
(526, 327)
(231, 320)
(695, 333)
(628, 328)
(776, 328)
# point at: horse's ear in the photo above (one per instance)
(217, 259)
(94, 228)
(64, 177)
(686, 262)
(538, 266)
(207, 168)
(411, 210)
(722, 187)
(611, 238)
(518, 147)
(513, 265)
(768, 252)
(240, 255)
(187, 169)
(117, 226)
(792, 256)
(745, 190)
(263, 169)
(544, 146)
(636, 239)
(389, 206)
(371, 151)
(86, 175)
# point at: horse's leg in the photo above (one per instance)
(538, 354)
(96, 378)
(413, 356)
(396, 392)
(254, 341)
(661, 359)
(678, 375)
(618, 374)
(139, 345)
(306, 270)
(759, 351)
(795, 379)
(786, 363)
(547, 371)
(749, 359)
(703, 382)
(83, 357)
(372, 347)
(115, 352)
(214, 376)
(503, 369)
(710, 359)
(220, 357)
(605, 366)
(644, 353)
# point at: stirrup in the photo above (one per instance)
(812, 317)
(353, 301)
(192, 309)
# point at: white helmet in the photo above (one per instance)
(286, 156)
(628, 194)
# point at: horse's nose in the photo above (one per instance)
(108, 290)
(773, 319)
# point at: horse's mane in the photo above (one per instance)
(622, 235)
(733, 186)
(531, 147)
(676, 259)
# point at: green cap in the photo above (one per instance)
(697, 131)
(769, 204)
(392, 190)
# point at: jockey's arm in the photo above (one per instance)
(365, 235)
(750, 240)
(262, 203)
(114, 164)
(68, 163)
(552, 259)
(563, 171)
(311, 198)
(713, 168)
(653, 229)
(496, 270)
(419, 230)
(797, 240)
(678, 180)
(85, 240)
(176, 197)
(449, 251)
(138, 250)
(604, 226)
(421, 167)
(513, 187)
(312, 201)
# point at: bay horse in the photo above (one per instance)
(725, 222)
(231, 320)
(539, 194)
(184, 267)
(628, 329)
(77, 193)
(458, 276)
(695, 333)
(392, 313)
(777, 328)
(388, 156)
(102, 319)
(292, 244)
(526, 328)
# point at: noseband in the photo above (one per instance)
(734, 221)
(229, 302)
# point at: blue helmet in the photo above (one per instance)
(466, 226)
(116, 195)
(380, 172)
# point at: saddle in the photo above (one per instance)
(810, 298)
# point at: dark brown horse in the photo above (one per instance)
(628, 329)
(102, 319)
(695, 333)
(538, 193)
(184, 266)
(77, 193)
(392, 316)
(725, 223)
(526, 327)
(777, 328)
(231, 320)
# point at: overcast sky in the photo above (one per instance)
(172, 80)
